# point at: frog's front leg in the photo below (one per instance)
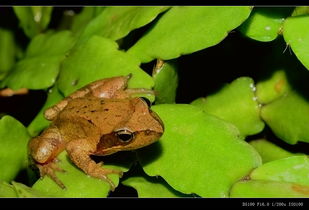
(80, 156)
(44, 150)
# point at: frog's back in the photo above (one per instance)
(102, 113)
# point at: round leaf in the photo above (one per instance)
(7, 51)
(77, 183)
(293, 169)
(187, 29)
(296, 35)
(166, 81)
(40, 67)
(274, 87)
(81, 20)
(116, 22)
(13, 147)
(287, 117)
(268, 189)
(197, 152)
(264, 23)
(99, 58)
(242, 108)
(269, 151)
(33, 19)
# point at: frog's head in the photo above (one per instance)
(144, 127)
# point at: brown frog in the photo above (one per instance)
(99, 119)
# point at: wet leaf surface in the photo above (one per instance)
(242, 108)
(197, 152)
(13, 148)
(207, 27)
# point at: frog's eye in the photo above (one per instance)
(146, 100)
(125, 135)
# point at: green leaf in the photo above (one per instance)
(34, 19)
(268, 189)
(301, 10)
(39, 122)
(40, 67)
(79, 184)
(269, 151)
(272, 88)
(187, 29)
(81, 20)
(197, 152)
(264, 24)
(7, 190)
(13, 147)
(293, 169)
(166, 81)
(242, 108)
(151, 187)
(287, 117)
(286, 177)
(116, 22)
(24, 191)
(99, 58)
(296, 35)
(51, 44)
(7, 51)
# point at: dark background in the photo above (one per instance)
(200, 73)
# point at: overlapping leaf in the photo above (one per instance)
(242, 108)
(272, 88)
(268, 189)
(166, 81)
(7, 190)
(197, 152)
(116, 22)
(34, 19)
(79, 184)
(99, 58)
(187, 29)
(285, 99)
(40, 66)
(294, 169)
(264, 24)
(287, 177)
(269, 151)
(286, 117)
(7, 51)
(296, 35)
(13, 148)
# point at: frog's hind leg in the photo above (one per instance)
(44, 150)
(80, 155)
(104, 88)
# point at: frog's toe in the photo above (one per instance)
(120, 173)
(49, 170)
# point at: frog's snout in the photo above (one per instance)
(160, 126)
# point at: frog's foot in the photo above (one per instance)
(111, 171)
(49, 170)
(80, 156)
(102, 173)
